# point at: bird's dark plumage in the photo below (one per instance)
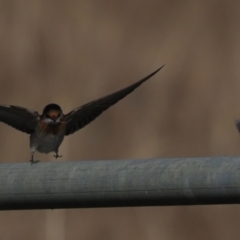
(237, 123)
(51, 106)
(20, 118)
(80, 117)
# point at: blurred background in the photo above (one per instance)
(71, 52)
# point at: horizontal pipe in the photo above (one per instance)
(120, 183)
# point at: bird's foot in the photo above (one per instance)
(32, 161)
(57, 156)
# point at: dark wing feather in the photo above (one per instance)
(80, 117)
(237, 122)
(20, 118)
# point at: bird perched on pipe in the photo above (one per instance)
(48, 130)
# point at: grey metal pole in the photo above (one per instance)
(120, 183)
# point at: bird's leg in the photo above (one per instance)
(32, 161)
(56, 155)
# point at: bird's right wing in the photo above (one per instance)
(22, 119)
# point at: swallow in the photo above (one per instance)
(48, 130)
(237, 123)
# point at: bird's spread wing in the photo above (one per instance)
(20, 118)
(80, 117)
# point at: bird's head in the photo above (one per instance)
(52, 114)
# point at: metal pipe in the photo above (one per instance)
(120, 183)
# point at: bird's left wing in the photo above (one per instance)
(22, 119)
(80, 117)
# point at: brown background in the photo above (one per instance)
(71, 52)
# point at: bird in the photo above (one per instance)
(47, 130)
(237, 123)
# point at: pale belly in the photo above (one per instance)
(45, 143)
